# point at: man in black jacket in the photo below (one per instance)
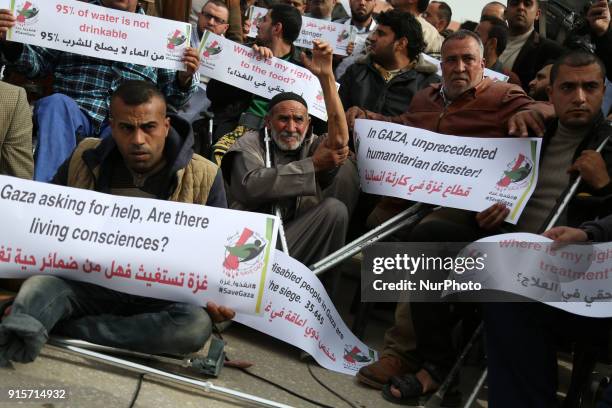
(520, 336)
(385, 81)
(526, 52)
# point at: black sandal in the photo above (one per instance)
(411, 388)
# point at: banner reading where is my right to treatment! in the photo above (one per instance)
(460, 172)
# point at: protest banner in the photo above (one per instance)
(574, 278)
(298, 310)
(459, 172)
(86, 29)
(240, 66)
(335, 34)
(163, 249)
(174, 251)
(487, 72)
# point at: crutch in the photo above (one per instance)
(407, 217)
(207, 386)
(277, 211)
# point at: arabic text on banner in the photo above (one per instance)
(335, 34)
(298, 310)
(459, 172)
(85, 29)
(174, 251)
(240, 66)
(574, 278)
(155, 248)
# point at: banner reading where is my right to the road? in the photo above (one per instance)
(459, 172)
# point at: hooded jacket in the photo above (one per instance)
(187, 177)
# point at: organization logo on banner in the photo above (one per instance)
(27, 13)
(516, 176)
(212, 50)
(244, 253)
(354, 358)
(342, 36)
(176, 39)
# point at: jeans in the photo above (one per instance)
(98, 315)
(60, 120)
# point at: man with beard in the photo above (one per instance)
(526, 52)
(236, 110)
(82, 87)
(310, 178)
(538, 86)
(494, 35)
(385, 81)
(364, 24)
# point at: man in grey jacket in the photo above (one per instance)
(310, 178)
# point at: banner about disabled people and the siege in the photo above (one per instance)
(240, 66)
(576, 278)
(174, 251)
(82, 28)
(460, 172)
(335, 34)
(498, 76)
(298, 310)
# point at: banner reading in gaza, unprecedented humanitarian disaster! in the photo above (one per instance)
(335, 34)
(240, 66)
(576, 278)
(298, 310)
(86, 29)
(174, 251)
(460, 172)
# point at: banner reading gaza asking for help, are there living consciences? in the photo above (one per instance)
(240, 66)
(174, 251)
(86, 29)
(460, 172)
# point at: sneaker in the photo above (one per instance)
(378, 374)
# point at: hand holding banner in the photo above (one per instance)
(240, 66)
(178, 252)
(335, 34)
(419, 165)
(101, 32)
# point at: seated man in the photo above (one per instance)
(237, 111)
(310, 178)
(79, 106)
(464, 104)
(214, 18)
(15, 133)
(527, 376)
(388, 78)
(538, 87)
(149, 155)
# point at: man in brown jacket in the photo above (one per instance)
(15, 132)
(464, 104)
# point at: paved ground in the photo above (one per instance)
(93, 384)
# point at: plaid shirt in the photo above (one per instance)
(91, 81)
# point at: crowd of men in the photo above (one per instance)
(127, 129)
